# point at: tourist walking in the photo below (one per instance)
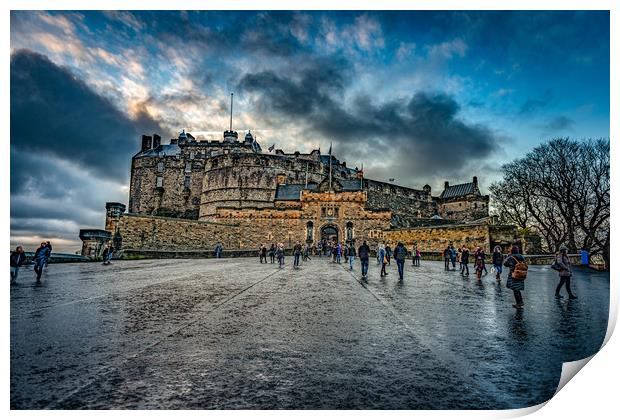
(479, 262)
(272, 253)
(307, 251)
(49, 247)
(280, 255)
(388, 253)
(447, 254)
(416, 257)
(41, 255)
(17, 260)
(498, 259)
(516, 276)
(296, 254)
(263, 254)
(338, 252)
(453, 257)
(107, 255)
(378, 250)
(464, 261)
(383, 259)
(350, 254)
(400, 254)
(364, 253)
(562, 264)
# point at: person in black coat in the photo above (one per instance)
(364, 253)
(17, 260)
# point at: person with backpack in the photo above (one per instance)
(364, 253)
(562, 264)
(17, 260)
(498, 259)
(272, 253)
(400, 253)
(517, 274)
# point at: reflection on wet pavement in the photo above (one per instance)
(226, 334)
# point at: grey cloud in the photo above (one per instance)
(560, 123)
(532, 105)
(420, 135)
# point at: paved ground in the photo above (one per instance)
(237, 334)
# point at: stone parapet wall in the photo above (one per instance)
(171, 234)
(437, 238)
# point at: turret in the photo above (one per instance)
(146, 142)
(113, 215)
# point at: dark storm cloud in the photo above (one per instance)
(56, 114)
(70, 150)
(422, 134)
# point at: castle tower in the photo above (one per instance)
(113, 212)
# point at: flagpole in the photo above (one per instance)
(330, 166)
(362, 178)
(306, 186)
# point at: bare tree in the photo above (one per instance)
(561, 191)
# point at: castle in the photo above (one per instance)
(189, 195)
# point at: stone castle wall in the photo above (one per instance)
(250, 180)
(174, 199)
(153, 233)
(436, 239)
(471, 207)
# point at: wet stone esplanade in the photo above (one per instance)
(233, 334)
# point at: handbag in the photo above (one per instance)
(556, 266)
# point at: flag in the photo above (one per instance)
(273, 146)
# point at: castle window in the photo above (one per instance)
(309, 231)
(187, 181)
(349, 231)
(160, 182)
(160, 166)
(191, 154)
(188, 167)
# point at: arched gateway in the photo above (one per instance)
(329, 233)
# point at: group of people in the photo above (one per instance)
(516, 264)
(40, 260)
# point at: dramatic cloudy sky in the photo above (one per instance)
(416, 96)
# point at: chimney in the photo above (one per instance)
(146, 142)
(475, 182)
(156, 141)
(446, 185)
